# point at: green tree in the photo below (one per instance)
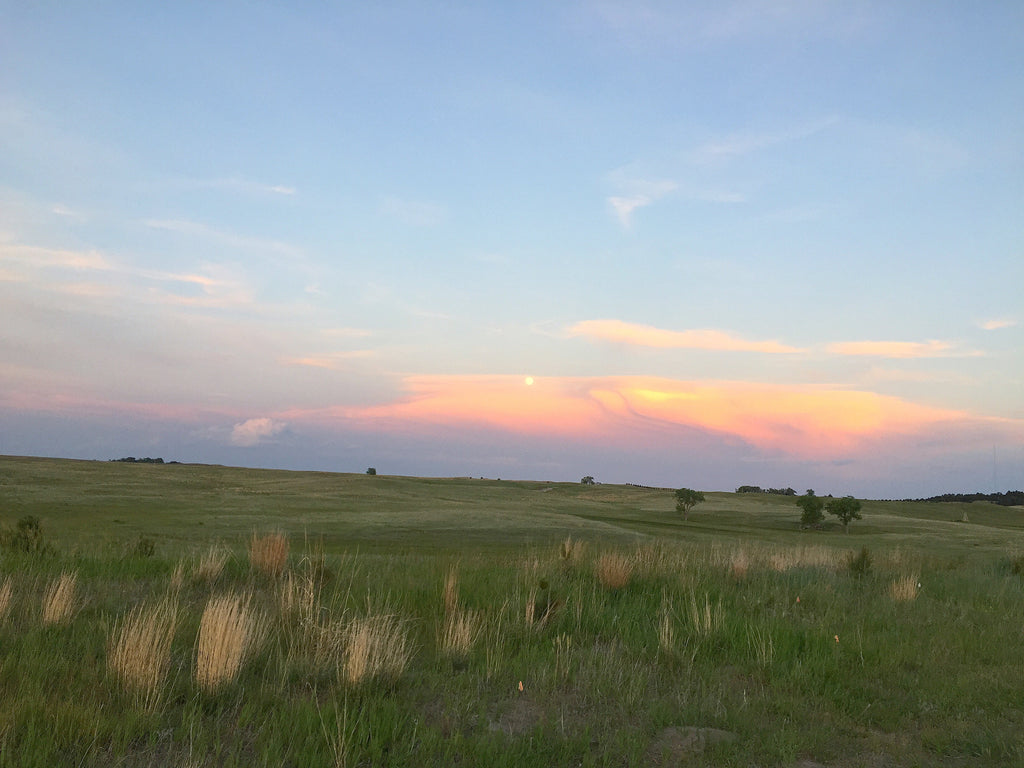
(687, 499)
(846, 509)
(588, 480)
(371, 471)
(812, 507)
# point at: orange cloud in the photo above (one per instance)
(649, 336)
(807, 422)
(901, 349)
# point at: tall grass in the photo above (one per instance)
(376, 646)
(614, 571)
(269, 554)
(904, 588)
(211, 563)
(230, 630)
(140, 650)
(6, 590)
(59, 598)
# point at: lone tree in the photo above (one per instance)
(812, 507)
(371, 471)
(687, 499)
(588, 480)
(846, 509)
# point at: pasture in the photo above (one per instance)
(189, 615)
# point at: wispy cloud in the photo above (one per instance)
(897, 349)
(416, 213)
(222, 237)
(255, 431)
(997, 324)
(638, 193)
(745, 143)
(635, 334)
(242, 185)
(334, 361)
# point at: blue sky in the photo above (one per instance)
(703, 244)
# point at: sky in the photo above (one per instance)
(707, 244)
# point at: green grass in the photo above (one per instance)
(728, 621)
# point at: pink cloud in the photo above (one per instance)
(896, 349)
(636, 334)
(802, 422)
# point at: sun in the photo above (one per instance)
(528, 381)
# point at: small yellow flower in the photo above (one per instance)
(521, 682)
(837, 638)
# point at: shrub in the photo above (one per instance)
(860, 563)
(27, 536)
(144, 547)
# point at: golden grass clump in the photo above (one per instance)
(6, 589)
(211, 563)
(451, 591)
(178, 576)
(739, 564)
(230, 630)
(904, 589)
(375, 646)
(269, 554)
(59, 598)
(140, 650)
(614, 571)
(459, 633)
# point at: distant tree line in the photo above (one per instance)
(1008, 499)
(759, 489)
(147, 460)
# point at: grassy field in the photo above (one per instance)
(204, 616)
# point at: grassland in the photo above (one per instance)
(410, 621)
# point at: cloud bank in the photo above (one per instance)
(253, 432)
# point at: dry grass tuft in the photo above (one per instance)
(230, 630)
(178, 576)
(666, 630)
(6, 589)
(376, 647)
(269, 554)
(451, 591)
(614, 571)
(140, 650)
(739, 564)
(59, 598)
(212, 563)
(705, 619)
(904, 589)
(459, 633)
(571, 552)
